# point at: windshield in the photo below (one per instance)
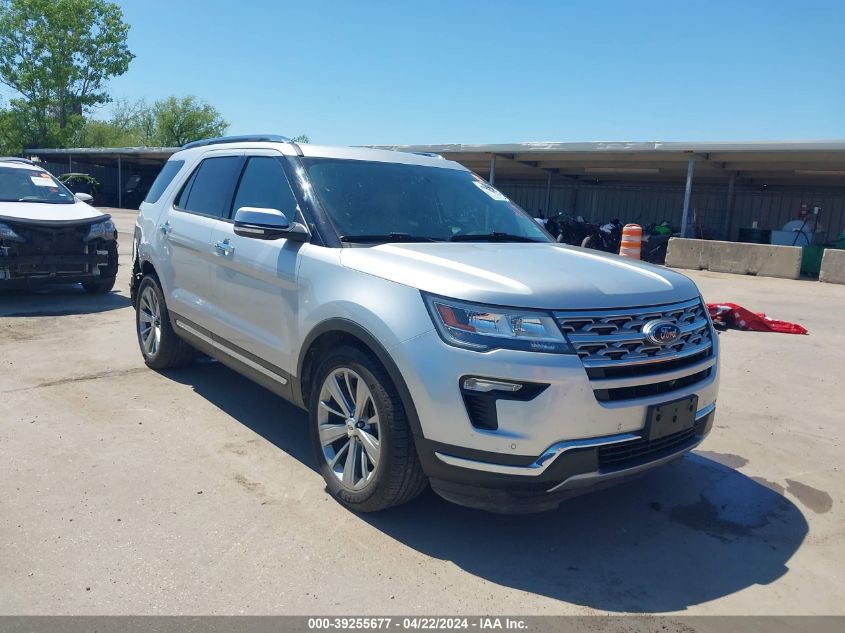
(32, 185)
(373, 202)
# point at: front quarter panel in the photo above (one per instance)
(391, 312)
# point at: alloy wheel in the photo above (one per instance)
(348, 426)
(149, 321)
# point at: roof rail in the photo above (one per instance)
(247, 138)
(15, 159)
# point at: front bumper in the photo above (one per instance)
(542, 448)
(51, 252)
(23, 271)
(564, 470)
(567, 409)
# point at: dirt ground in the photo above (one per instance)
(126, 491)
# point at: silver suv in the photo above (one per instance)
(434, 332)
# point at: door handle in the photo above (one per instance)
(166, 228)
(224, 247)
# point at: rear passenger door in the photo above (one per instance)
(186, 230)
(253, 281)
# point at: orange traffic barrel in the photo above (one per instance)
(632, 238)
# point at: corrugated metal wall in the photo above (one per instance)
(645, 204)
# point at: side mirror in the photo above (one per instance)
(84, 197)
(267, 224)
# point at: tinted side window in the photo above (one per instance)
(265, 185)
(164, 178)
(182, 198)
(209, 191)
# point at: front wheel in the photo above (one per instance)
(360, 433)
(590, 242)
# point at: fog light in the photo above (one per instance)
(485, 385)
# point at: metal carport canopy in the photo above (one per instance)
(818, 163)
(105, 156)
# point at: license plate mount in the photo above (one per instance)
(670, 417)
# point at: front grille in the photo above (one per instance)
(627, 454)
(610, 344)
(55, 252)
(650, 389)
(43, 240)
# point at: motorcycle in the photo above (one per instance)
(567, 229)
(655, 242)
(607, 237)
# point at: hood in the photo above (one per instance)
(549, 276)
(44, 212)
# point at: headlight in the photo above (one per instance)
(8, 234)
(483, 328)
(101, 230)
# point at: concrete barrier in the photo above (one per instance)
(833, 266)
(735, 257)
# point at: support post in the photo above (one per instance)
(547, 208)
(69, 163)
(729, 207)
(119, 183)
(492, 179)
(685, 219)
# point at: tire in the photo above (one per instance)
(99, 287)
(589, 242)
(395, 476)
(160, 346)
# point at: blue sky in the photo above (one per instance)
(432, 71)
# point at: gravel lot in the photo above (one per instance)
(126, 491)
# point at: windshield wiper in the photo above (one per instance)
(495, 236)
(388, 237)
(35, 200)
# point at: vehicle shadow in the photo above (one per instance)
(52, 301)
(273, 418)
(688, 533)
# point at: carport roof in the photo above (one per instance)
(105, 156)
(791, 163)
(753, 163)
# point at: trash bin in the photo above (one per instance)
(811, 260)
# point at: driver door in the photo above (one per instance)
(253, 281)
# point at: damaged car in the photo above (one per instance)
(48, 235)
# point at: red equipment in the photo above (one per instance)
(734, 316)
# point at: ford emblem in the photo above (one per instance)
(661, 332)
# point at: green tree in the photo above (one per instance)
(180, 120)
(11, 141)
(128, 127)
(104, 134)
(22, 127)
(57, 55)
(169, 122)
